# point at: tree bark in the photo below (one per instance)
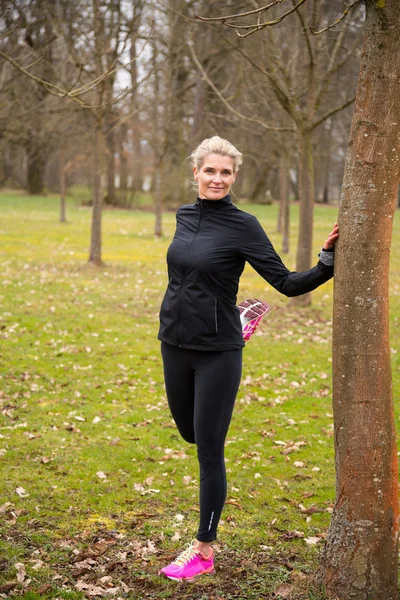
(110, 156)
(173, 188)
(284, 206)
(137, 169)
(63, 186)
(95, 238)
(123, 174)
(306, 214)
(35, 168)
(258, 194)
(361, 552)
(158, 200)
(325, 194)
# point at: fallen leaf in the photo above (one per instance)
(37, 564)
(8, 586)
(311, 510)
(90, 589)
(283, 590)
(101, 475)
(233, 502)
(307, 494)
(290, 535)
(21, 572)
(311, 541)
(21, 492)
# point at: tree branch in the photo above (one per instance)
(336, 21)
(226, 103)
(257, 26)
(56, 90)
(239, 15)
(9, 32)
(305, 33)
(332, 112)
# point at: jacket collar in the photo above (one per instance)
(213, 203)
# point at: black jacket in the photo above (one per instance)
(212, 241)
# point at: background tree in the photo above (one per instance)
(301, 82)
(147, 135)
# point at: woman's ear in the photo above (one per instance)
(195, 173)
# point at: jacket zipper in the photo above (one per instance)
(178, 319)
(216, 314)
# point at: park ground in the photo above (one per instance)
(98, 491)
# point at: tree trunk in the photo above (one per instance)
(257, 194)
(158, 200)
(123, 174)
(199, 112)
(361, 552)
(284, 206)
(95, 239)
(306, 162)
(173, 187)
(279, 218)
(63, 186)
(110, 154)
(35, 168)
(306, 217)
(325, 195)
(137, 169)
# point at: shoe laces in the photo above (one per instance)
(187, 554)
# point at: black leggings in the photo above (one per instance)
(201, 388)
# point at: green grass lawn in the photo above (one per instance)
(98, 490)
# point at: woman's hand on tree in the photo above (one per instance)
(331, 239)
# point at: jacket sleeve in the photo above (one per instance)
(256, 248)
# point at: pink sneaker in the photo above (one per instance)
(189, 564)
(251, 313)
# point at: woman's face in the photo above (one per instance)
(215, 177)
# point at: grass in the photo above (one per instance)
(98, 489)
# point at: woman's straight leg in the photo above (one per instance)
(217, 379)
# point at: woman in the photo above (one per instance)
(200, 328)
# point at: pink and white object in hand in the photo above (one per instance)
(251, 313)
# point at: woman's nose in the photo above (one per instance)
(217, 177)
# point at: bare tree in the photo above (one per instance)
(301, 82)
(82, 27)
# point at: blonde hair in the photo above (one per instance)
(216, 145)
